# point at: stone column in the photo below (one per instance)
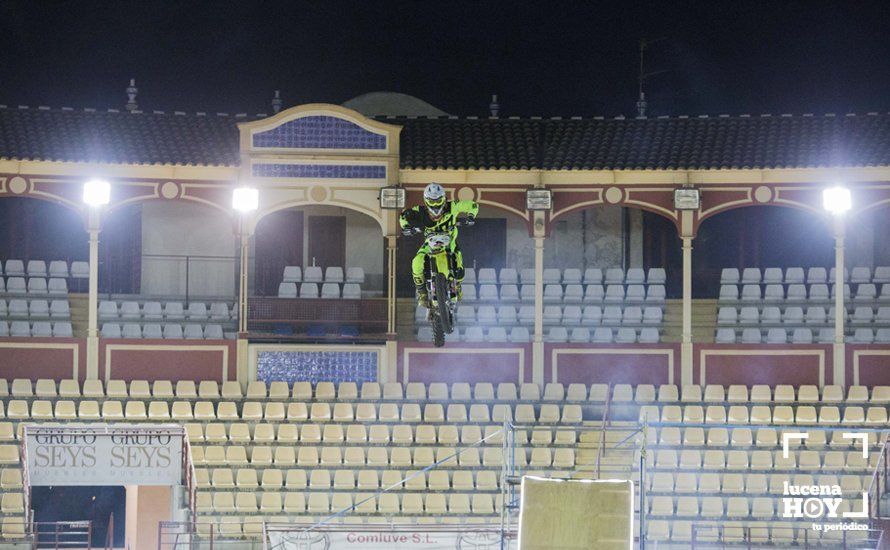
(242, 344)
(686, 349)
(93, 226)
(840, 312)
(538, 339)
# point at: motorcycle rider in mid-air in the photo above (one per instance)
(437, 214)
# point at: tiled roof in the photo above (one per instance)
(722, 142)
(117, 137)
(649, 144)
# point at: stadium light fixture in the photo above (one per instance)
(687, 198)
(539, 199)
(392, 198)
(837, 200)
(96, 193)
(245, 199)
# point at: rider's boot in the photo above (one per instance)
(423, 298)
(459, 279)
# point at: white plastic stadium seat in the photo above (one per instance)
(571, 276)
(80, 270)
(59, 269)
(333, 274)
(486, 276)
(14, 268)
(330, 290)
(352, 291)
(309, 290)
(36, 268)
(593, 276)
(312, 274)
(293, 274)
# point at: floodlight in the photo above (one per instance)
(392, 198)
(538, 199)
(837, 200)
(96, 192)
(687, 198)
(245, 199)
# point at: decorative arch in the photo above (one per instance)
(48, 189)
(320, 127)
(297, 203)
(658, 200)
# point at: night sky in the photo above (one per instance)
(542, 58)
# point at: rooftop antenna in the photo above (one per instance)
(276, 102)
(132, 90)
(642, 104)
(494, 107)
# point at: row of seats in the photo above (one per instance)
(294, 479)
(313, 274)
(807, 461)
(37, 308)
(751, 484)
(37, 329)
(570, 276)
(168, 331)
(34, 285)
(37, 268)
(760, 393)
(172, 311)
(18, 409)
(379, 456)
(671, 436)
(273, 502)
(741, 533)
(305, 391)
(552, 315)
(23, 388)
(798, 293)
(714, 507)
(795, 275)
(556, 335)
(400, 434)
(798, 336)
(351, 291)
(764, 414)
(796, 315)
(573, 293)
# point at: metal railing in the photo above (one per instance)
(713, 535)
(62, 534)
(635, 435)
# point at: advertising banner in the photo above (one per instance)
(385, 540)
(129, 454)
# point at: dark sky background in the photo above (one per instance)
(543, 58)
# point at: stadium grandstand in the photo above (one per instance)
(699, 305)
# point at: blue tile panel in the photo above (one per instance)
(317, 366)
(339, 171)
(319, 132)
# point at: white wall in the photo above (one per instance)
(600, 242)
(364, 242)
(174, 228)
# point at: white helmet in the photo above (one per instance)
(434, 199)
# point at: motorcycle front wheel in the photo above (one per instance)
(443, 302)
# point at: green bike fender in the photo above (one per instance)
(442, 263)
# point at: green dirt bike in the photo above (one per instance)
(441, 286)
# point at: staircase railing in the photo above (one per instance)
(602, 448)
(878, 486)
(62, 534)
